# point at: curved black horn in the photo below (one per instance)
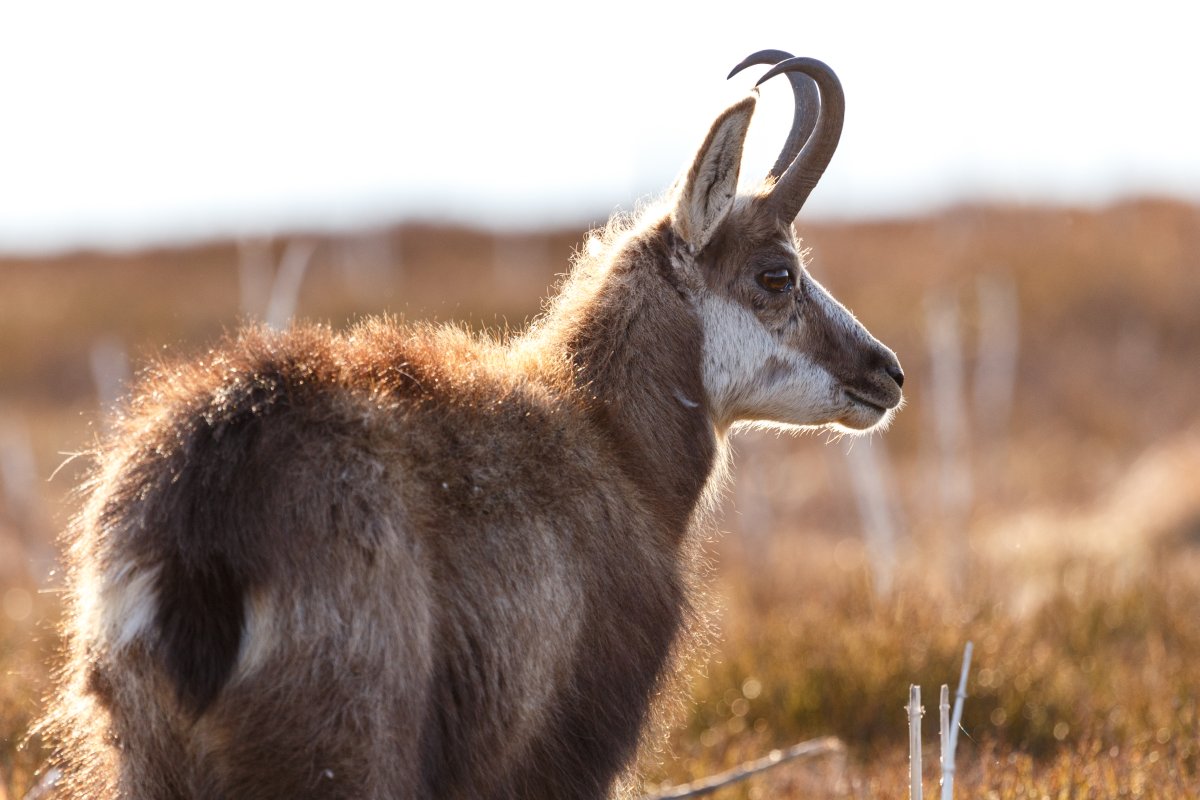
(798, 181)
(805, 116)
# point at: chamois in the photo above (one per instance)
(404, 561)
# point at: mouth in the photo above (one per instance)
(858, 399)
(866, 413)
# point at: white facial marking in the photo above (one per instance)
(750, 375)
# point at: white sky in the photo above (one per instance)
(125, 121)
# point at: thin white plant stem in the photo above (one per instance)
(944, 730)
(955, 724)
(914, 741)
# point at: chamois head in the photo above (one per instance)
(777, 347)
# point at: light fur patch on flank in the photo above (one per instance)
(260, 636)
(128, 604)
(540, 670)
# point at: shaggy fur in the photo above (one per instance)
(405, 562)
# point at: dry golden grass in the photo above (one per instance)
(1075, 568)
(1094, 679)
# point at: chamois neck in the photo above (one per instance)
(635, 346)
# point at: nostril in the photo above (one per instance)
(896, 373)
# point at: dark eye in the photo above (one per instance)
(776, 280)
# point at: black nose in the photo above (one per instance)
(896, 373)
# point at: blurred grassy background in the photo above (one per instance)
(1039, 494)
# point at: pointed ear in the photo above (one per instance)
(708, 189)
